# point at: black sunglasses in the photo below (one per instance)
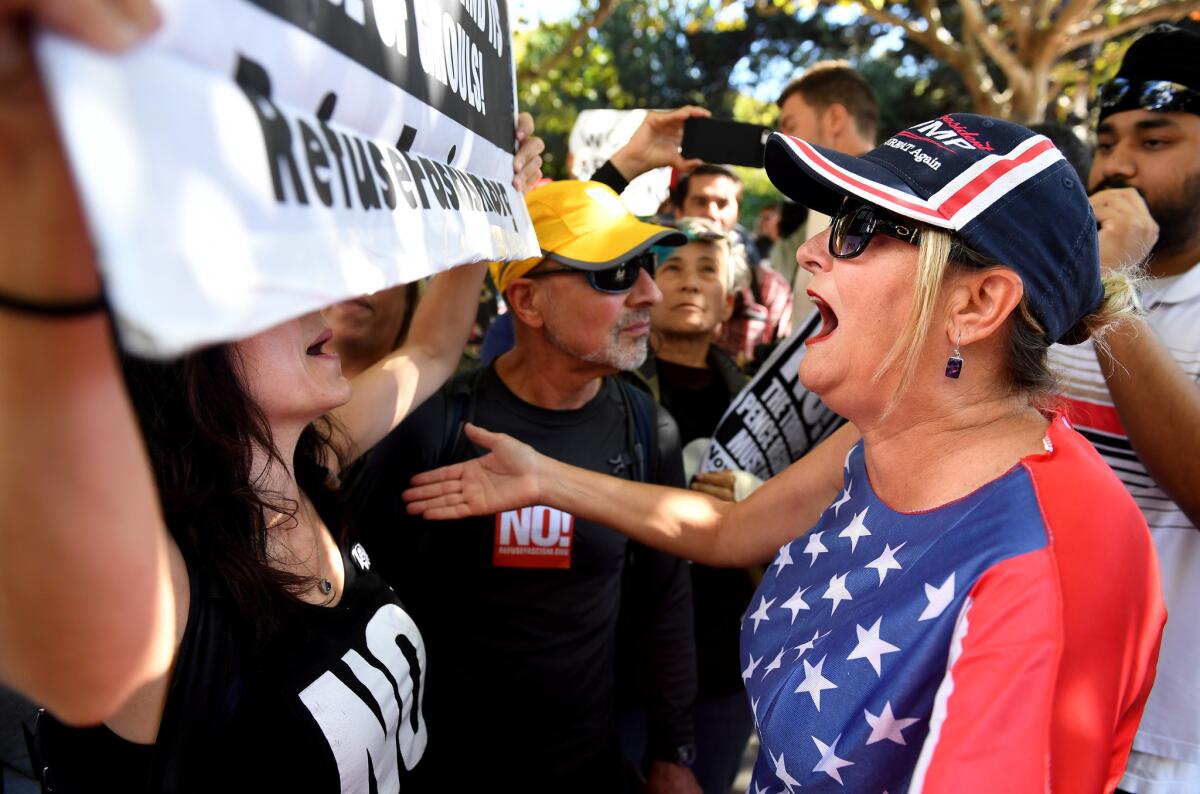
(1161, 95)
(616, 280)
(855, 223)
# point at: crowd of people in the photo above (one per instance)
(332, 557)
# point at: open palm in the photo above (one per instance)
(504, 479)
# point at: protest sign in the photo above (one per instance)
(257, 159)
(596, 136)
(774, 420)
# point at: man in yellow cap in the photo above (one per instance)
(520, 609)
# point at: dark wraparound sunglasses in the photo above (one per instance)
(616, 280)
(1160, 95)
(856, 223)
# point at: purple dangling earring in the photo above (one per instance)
(954, 363)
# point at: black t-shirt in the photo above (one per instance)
(518, 609)
(697, 398)
(332, 704)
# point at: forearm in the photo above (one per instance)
(86, 613)
(1159, 406)
(386, 392)
(686, 524)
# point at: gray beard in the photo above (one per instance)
(616, 353)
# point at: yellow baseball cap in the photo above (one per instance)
(583, 225)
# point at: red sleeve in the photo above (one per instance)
(991, 725)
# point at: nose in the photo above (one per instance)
(814, 255)
(1116, 163)
(645, 292)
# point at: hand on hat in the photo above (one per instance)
(527, 162)
(47, 253)
(1127, 232)
(656, 143)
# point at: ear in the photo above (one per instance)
(834, 121)
(980, 303)
(727, 310)
(524, 298)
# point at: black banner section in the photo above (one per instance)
(450, 54)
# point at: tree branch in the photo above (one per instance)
(1100, 32)
(998, 51)
(927, 38)
(603, 12)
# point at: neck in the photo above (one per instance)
(269, 476)
(922, 458)
(1173, 263)
(689, 350)
(548, 378)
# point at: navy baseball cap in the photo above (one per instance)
(1006, 191)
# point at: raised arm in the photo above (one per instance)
(387, 391)
(86, 607)
(684, 523)
(1158, 403)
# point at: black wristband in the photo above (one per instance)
(54, 309)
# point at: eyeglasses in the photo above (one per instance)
(855, 223)
(1161, 95)
(616, 280)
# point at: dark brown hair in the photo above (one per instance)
(680, 191)
(200, 428)
(837, 82)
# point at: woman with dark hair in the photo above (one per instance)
(986, 614)
(175, 563)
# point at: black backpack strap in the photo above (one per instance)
(640, 429)
(461, 404)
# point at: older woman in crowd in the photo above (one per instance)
(695, 380)
(985, 615)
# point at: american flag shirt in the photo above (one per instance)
(1002, 642)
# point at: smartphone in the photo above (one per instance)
(725, 141)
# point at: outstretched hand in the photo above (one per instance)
(656, 143)
(504, 479)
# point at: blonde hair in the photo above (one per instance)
(1028, 370)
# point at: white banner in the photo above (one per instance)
(774, 420)
(258, 159)
(596, 136)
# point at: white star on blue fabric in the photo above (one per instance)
(807, 646)
(837, 592)
(871, 647)
(760, 614)
(887, 561)
(750, 668)
(856, 529)
(775, 663)
(845, 497)
(815, 547)
(939, 599)
(815, 682)
(795, 603)
(850, 452)
(830, 763)
(784, 559)
(886, 726)
(781, 772)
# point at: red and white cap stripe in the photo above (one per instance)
(956, 204)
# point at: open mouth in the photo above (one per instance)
(829, 320)
(317, 347)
